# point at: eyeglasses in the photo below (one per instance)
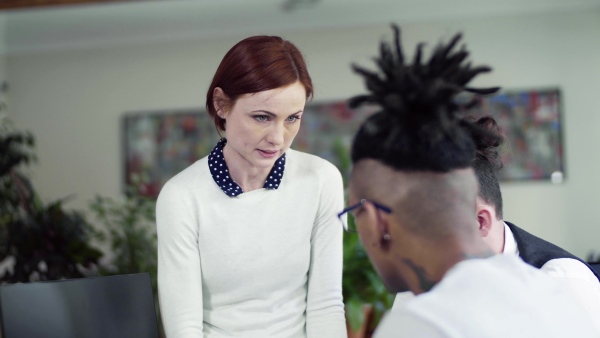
(350, 225)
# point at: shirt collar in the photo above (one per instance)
(510, 244)
(220, 172)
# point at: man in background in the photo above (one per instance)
(505, 237)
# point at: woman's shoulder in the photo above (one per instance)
(310, 162)
(191, 175)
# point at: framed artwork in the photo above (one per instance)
(531, 123)
(158, 145)
(327, 131)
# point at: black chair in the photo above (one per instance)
(120, 306)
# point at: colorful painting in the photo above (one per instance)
(327, 131)
(531, 123)
(158, 145)
(161, 144)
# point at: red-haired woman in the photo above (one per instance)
(248, 240)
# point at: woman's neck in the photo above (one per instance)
(246, 175)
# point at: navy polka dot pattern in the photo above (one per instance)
(220, 173)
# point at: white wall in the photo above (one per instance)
(73, 100)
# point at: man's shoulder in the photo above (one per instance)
(525, 238)
(543, 254)
(496, 280)
(569, 268)
(535, 250)
(406, 324)
(483, 290)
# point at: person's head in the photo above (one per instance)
(257, 96)
(415, 157)
(486, 164)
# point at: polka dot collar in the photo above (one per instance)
(220, 172)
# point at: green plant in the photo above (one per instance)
(45, 242)
(361, 286)
(130, 229)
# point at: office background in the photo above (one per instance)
(71, 92)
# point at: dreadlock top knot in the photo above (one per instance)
(418, 127)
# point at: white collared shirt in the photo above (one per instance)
(495, 297)
(572, 273)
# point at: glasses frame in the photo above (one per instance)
(362, 202)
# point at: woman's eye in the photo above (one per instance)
(261, 118)
(293, 118)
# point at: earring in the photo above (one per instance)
(384, 241)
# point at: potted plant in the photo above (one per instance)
(365, 296)
(41, 242)
(130, 230)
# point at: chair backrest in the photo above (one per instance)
(120, 306)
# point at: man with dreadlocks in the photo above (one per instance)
(412, 192)
(507, 238)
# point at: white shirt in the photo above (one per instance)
(500, 296)
(575, 275)
(267, 263)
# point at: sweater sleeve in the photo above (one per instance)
(179, 270)
(324, 308)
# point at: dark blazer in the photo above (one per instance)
(536, 251)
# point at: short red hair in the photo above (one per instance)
(256, 64)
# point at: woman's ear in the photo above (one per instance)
(220, 102)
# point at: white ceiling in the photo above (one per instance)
(122, 23)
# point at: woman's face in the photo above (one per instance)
(260, 127)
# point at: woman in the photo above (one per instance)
(248, 240)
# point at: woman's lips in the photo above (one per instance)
(268, 153)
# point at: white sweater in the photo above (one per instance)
(267, 263)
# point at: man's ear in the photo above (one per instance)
(485, 218)
(220, 102)
(380, 225)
